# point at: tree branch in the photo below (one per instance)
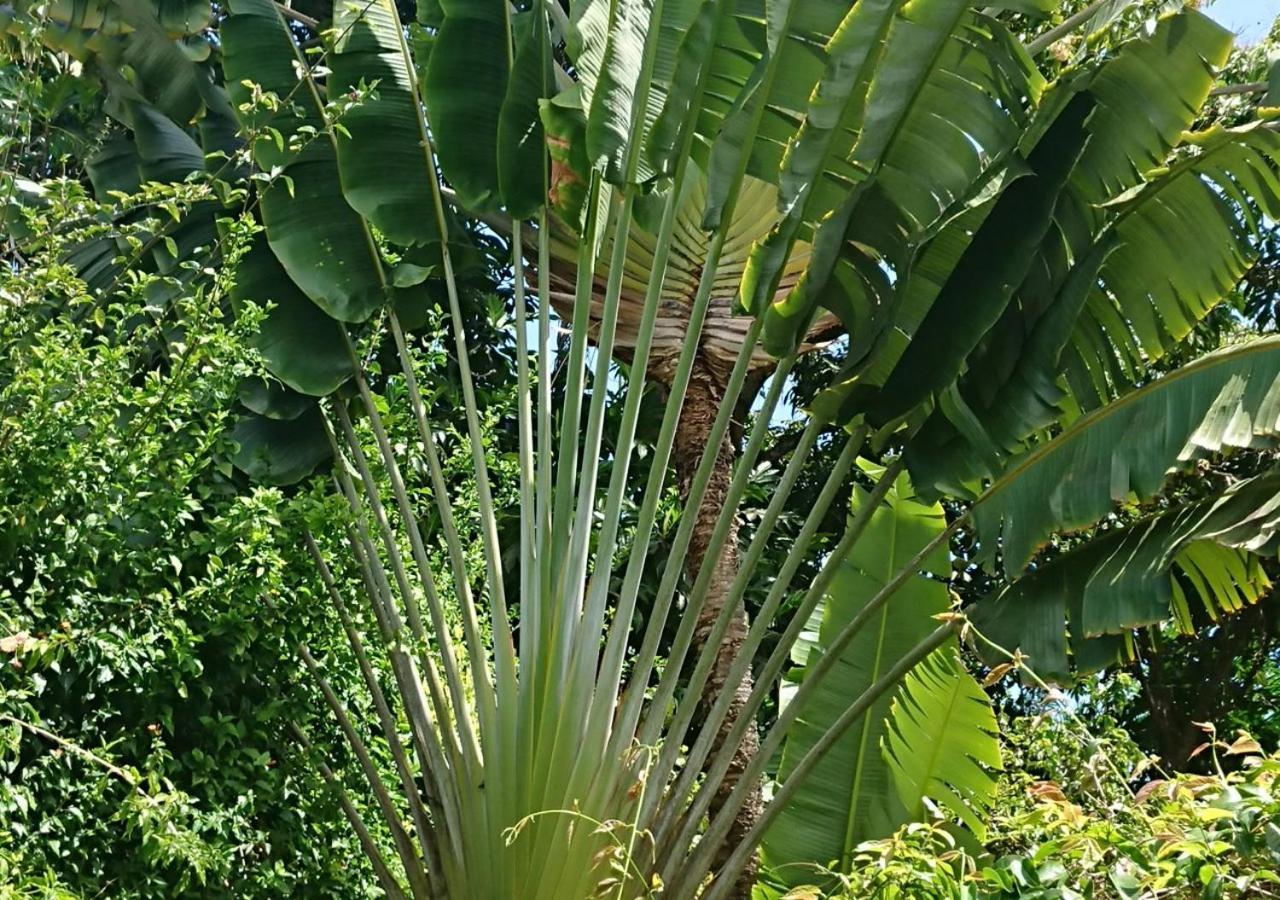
(300, 18)
(1252, 87)
(1071, 23)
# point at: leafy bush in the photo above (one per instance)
(1091, 834)
(145, 685)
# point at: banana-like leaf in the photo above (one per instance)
(1175, 249)
(163, 69)
(488, 70)
(483, 95)
(881, 331)
(1119, 594)
(159, 151)
(95, 263)
(382, 153)
(1184, 240)
(1229, 398)
(683, 43)
(272, 399)
(162, 46)
(982, 283)
(114, 167)
(1071, 612)
(1010, 390)
(941, 744)
(300, 345)
(816, 161)
(466, 83)
(850, 795)
(165, 152)
(522, 151)
(607, 39)
(319, 239)
(90, 16)
(281, 452)
(740, 43)
(565, 128)
(1012, 387)
(1224, 579)
(944, 112)
(1147, 96)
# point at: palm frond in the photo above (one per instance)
(941, 742)
(849, 797)
(1071, 613)
(1228, 398)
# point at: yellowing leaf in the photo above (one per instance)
(1243, 744)
(996, 674)
(1213, 814)
(14, 642)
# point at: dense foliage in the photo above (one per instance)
(301, 427)
(151, 606)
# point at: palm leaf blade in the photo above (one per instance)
(849, 797)
(941, 742)
(1229, 398)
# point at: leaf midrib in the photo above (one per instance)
(847, 849)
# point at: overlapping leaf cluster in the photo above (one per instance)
(1006, 257)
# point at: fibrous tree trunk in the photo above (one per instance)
(702, 401)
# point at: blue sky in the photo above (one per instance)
(1250, 19)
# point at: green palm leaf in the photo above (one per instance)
(280, 451)
(1010, 388)
(1224, 579)
(382, 154)
(984, 278)
(850, 796)
(319, 239)
(943, 113)
(465, 84)
(1071, 613)
(941, 742)
(1229, 398)
(607, 40)
(1184, 240)
(742, 42)
(1173, 250)
(522, 166)
(300, 345)
(1148, 94)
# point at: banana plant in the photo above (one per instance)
(705, 190)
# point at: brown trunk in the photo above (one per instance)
(702, 401)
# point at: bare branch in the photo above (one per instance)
(1252, 87)
(300, 18)
(1071, 23)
